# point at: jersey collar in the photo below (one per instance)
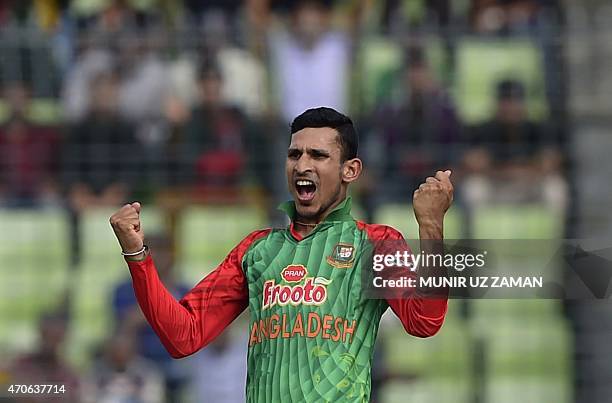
(342, 212)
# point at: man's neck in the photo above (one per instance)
(303, 229)
(304, 226)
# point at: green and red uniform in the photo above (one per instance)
(312, 328)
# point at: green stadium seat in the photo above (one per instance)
(206, 234)
(527, 358)
(480, 64)
(427, 370)
(428, 390)
(537, 231)
(530, 389)
(380, 62)
(401, 217)
(85, 8)
(502, 310)
(517, 222)
(538, 347)
(42, 111)
(530, 358)
(435, 356)
(100, 270)
(33, 271)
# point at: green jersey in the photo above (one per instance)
(312, 329)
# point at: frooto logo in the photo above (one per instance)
(312, 292)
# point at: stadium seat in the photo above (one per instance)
(480, 64)
(42, 111)
(527, 357)
(33, 271)
(517, 222)
(534, 229)
(401, 217)
(428, 390)
(419, 364)
(206, 234)
(380, 62)
(530, 356)
(100, 270)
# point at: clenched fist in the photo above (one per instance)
(126, 224)
(433, 198)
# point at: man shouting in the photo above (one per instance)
(312, 325)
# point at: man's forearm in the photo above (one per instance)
(431, 242)
(431, 229)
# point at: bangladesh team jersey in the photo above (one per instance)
(312, 328)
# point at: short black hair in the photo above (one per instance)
(328, 117)
(510, 89)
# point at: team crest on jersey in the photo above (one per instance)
(342, 256)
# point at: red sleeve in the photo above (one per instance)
(186, 326)
(421, 317)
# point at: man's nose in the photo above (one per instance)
(303, 164)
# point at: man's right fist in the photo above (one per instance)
(126, 224)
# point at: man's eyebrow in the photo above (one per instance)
(318, 151)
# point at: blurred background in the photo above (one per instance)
(185, 106)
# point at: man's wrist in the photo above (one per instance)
(431, 229)
(139, 257)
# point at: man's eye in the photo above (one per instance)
(294, 155)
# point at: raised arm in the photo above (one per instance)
(422, 313)
(187, 325)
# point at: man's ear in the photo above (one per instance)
(351, 170)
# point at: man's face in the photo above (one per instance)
(511, 111)
(210, 89)
(310, 21)
(314, 171)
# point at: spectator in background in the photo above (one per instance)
(513, 159)
(28, 156)
(216, 139)
(508, 17)
(310, 60)
(130, 319)
(109, 16)
(113, 40)
(91, 62)
(100, 152)
(416, 134)
(122, 376)
(45, 364)
(143, 90)
(395, 17)
(218, 12)
(220, 370)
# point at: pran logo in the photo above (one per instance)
(294, 273)
(312, 292)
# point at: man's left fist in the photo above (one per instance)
(433, 198)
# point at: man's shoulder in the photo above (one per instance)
(379, 231)
(255, 236)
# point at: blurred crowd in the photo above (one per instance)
(131, 365)
(104, 101)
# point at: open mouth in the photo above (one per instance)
(305, 189)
